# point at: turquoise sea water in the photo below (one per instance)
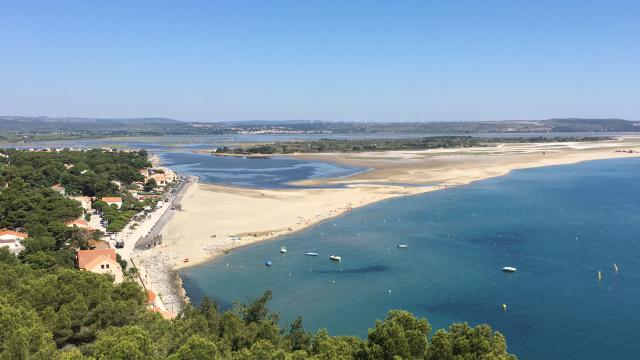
(558, 225)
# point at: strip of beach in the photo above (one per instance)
(217, 219)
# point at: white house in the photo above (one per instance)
(12, 240)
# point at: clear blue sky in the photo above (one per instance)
(360, 60)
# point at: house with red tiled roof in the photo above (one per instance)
(160, 178)
(79, 223)
(12, 240)
(117, 200)
(101, 261)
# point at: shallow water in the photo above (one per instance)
(557, 225)
(255, 172)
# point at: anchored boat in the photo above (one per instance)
(335, 258)
(509, 269)
(309, 253)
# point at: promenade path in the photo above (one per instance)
(151, 226)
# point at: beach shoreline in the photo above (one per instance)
(218, 219)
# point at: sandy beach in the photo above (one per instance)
(216, 219)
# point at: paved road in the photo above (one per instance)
(173, 200)
(151, 226)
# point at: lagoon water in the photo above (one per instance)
(265, 173)
(558, 225)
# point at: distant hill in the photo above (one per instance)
(593, 125)
(85, 120)
(42, 127)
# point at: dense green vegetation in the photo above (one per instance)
(435, 142)
(49, 312)
(27, 203)
(89, 173)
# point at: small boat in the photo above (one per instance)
(309, 253)
(283, 250)
(403, 246)
(335, 258)
(268, 263)
(509, 269)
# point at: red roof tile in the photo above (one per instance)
(87, 256)
(14, 233)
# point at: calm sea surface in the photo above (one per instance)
(558, 225)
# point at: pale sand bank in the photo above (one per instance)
(212, 214)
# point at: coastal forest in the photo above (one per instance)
(51, 310)
(360, 145)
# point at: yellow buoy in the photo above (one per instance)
(504, 307)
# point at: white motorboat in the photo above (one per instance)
(403, 246)
(309, 253)
(335, 258)
(509, 269)
(283, 249)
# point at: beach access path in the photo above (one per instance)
(151, 226)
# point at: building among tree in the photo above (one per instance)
(100, 261)
(113, 200)
(79, 223)
(12, 240)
